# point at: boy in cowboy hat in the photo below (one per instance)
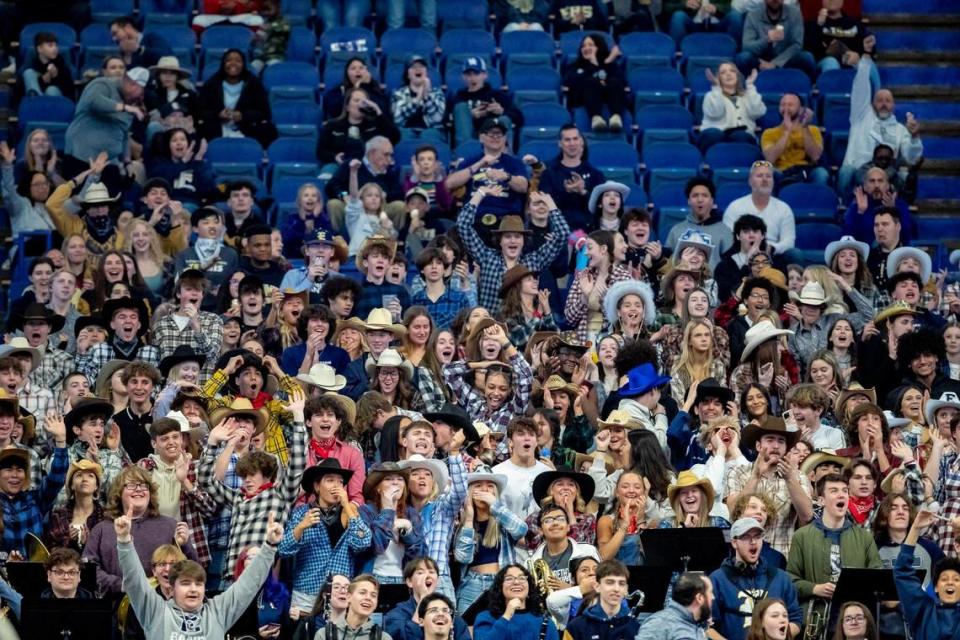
(96, 221)
(128, 323)
(16, 361)
(267, 488)
(640, 397)
(87, 439)
(374, 258)
(188, 326)
(38, 323)
(327, 418)
(325, 535)
(875, 368)
(10, 369)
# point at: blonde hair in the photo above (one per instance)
(491, 537)
(690, 364)
(369, 186)
(304, 187)
(824, 277)
(155, 249)
(703, 513)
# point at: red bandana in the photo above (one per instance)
(260, 489)
(322, 449)
(860, 508)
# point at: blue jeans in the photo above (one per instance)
(682, 25)
(31, 85)
(342, 13)
(710, 137)
(427, 10)
(803, 60)
(463, 124)
(472, 587)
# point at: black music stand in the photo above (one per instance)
(30, 578)
(652, 583)
(695, 549)
(390, 595)
(869, 587)
(53, 618)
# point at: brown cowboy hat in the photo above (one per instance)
(773, 425)
(388, 244)
(473, 340)
(511, 224)
(242, 407)
(853, 389)
(377, 473)
(513, 276)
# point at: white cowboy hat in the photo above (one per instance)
(390, 358)
(441, 477)
(946, 399)
(623, 288)
(171, 63)
(696, 239)
(382, 320)
(601, 189)
(183, 421)
(97, 193)
(897, 255)
(811, 294)
(323, 376)
(496, 478)
(893, 421)
(845, 242)
(955, 257)
(760, 333)
(20, 345)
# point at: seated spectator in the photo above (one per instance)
(25, 201)
(776, 214)
(749, 234)
(522, 15)
(39, 154)
(356, 74)
(595, 81)
(418, 106)
(580, 15)
(703, 16)
(427, 175)
(377, 166)
(570, 178)
(208, 253)
(228, 12)
(836, 39)
(233, 103)
(702, 218)
(885, 158)
(872, 120)
(686, 612)
(362, 119)
(773, 38)
(137, 49)
(795, 146)
(478, 102)
(731, 108)
(171, 101)
(180, 162)
(47, 72)
(868, 201)
(257, 257)
(632, 15)
(63, 575)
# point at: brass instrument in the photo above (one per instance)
(36, 550)
(817, 621)
(541, 573)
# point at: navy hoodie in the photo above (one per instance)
(594, 624)
(737, 591)
(928, 619)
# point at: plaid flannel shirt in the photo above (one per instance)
(406, 105)
(218, 526)
(167, 336)
(381, 523)
(316, 559)
(37, 400)
(53, 368)
(60, 533)
(476, 405)
(492, 264)
(445, 308)
(276, 441)
(195, 507)
(249, 516)
(512, 530)
(100, 354)
(111, 461)
(430, 390)
(439, 515)
(576, 310)
(26, 511)
(882, 300)
(520, 328)
(775, 488)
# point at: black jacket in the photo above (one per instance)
(340, 182)
(253, 104)
(335, 138)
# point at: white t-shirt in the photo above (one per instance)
(781, 225)
(519, 493)
(827, 437)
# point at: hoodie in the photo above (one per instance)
(808, 562)
(736, 591)
(713, 226)
(674, 622)
(595, 624)
(927, 618)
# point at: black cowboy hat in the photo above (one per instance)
(37, 311)
(181, 354)
(83, 322)
(325, 467)
(250, 359)
(110, 307)
(84, 408)
(541, 484)
(457, 418)
(710, 388)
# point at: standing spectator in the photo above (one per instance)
(202, 331)
(595, 81)
(777, 214)
(699, 16)
(703, 218)
(580, 15)
(418, 106)
(795, 146)
(731, 108)
(47, 73)
(426, 11)
(477, 102)
(342, 13)
(773, 38)
(570, 178)
(233, 103)
(137, 49)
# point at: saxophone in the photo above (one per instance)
(541, 573)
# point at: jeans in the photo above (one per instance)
(710, 137)
(682, 25)
(342, 13)
(426, 9)
(817, 175)
(803, 60)
(31, 85)
(472, 587)
(463, 124)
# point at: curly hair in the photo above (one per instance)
(114, 507)
(911, 346)
(744, 499)
(498, 602)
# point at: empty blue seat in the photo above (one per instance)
(182, 40)
(811, 201)
(637, 198)
(302, 45)
(773, 83)
(96, 35)
(837, 123)
(284, 190)
(834, 88)
(158, 19)
(664, 123)
(297, 12)
(617, 160)
(708, 44)
(813, 238)
(730, 191)
(570, 43)
(42, 111)
(544, 150)
(399, 44)
(103, 11)
(457, 44)
(655, 85)
(285, 150)
(533, 85)
(343, 43)
(543, 122)
(668, 195)
(647, 49)
(296, 119)
(235, 157)
(666, 162)
(467, 149)
(291, 82)
(463, 15)
(668, 218)
(527, 49)
(730, 161)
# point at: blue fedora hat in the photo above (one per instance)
(641, 380)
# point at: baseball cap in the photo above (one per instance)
(492, 123)
(474, 63)
(321, 236)
(743, 525)
(139, 75)
(417, 191)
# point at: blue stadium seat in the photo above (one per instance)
(285, 150)
(542, 122)
(96, 35)
(833, 88)
(399, 44)
(103, 11)
(655, 85)
(668, 195)
(35, 110)
(284, 190)
(570, 43)
(531, 85)
(637, 198)
(215, 41)
(617, 160)
(647, 49)
(664, 123)
(813, 238)
(182, 40)
(297, 12)
(730, 191)
(291, 82)
(342, 43)
(730, 161)
(66, 38)
(463, 15)
(811, 201)
(183, 7)
(667, 162)
(668, 218)
(527, 49)
(296, 119)
(773, 83)
(708, 44)
(467, 149)
(544, 150)
(235, 157)
(302, 46)
(837, 123)
(154, 19)
(457, 44)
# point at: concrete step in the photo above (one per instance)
(938, 187)
(925, 7)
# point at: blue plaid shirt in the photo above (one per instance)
(438, 516)
(218, 527)
(26, 511)
(445, 309)
(315, 558)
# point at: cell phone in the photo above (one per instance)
(766, 368)
(788, 416)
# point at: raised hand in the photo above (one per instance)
(752, 78)
(889, 198)
(98, 164)
(181, 468)
(182, 534)
(7, 154)
(122, 525)
(711, 78)
(274, 530)
(221, 432)
(113, 437)
(296, 402)
(55, 426)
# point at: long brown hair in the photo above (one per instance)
(132, 473)
(756, 624)
(871, 622)
(769, 351)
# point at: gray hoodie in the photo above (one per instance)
(163, 620)
(349, 633)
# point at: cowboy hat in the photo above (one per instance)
(20, 345)
(451, 414)
(377, 473)
(773, 425)
(823, 456)
(170, 63)
(15, 456)
(597, 193)
(97, 194)
(585, 458)
(541, 484)
(483, 431)
(110, 308)
(37, 311)
(557, 383)
(388, 244)
(536, 339)
(382, 320)
(886, 485)
(347, 404)
(774, 277)
(620, 290)
(291, 292)
(29, 424)
(390, 358)
(687, 479)
(341, 250)
(11, 402)
(327, 466)
(182, 420)
(946, 399)
(242, 407)
(845, 242)
(250, 359)
(894, 421)
(353, 322)
(83, 322)
(922, 257)
(642, 379)
(101, 387)
(677, 270)
(760, 333)
(619, 418)
(181, 354)
(498, 479)
(188, 393)
(472, 348)
(511, 224)
(812, 294)
(441, 477)
(84, 465)
(710, 388)
(696, 239)
(324, 377)
(900, 308)
(852, 389)
(83, 409)
(569, 339)
(513, 276)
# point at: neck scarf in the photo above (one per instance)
(860, 508)
(99, 227)
(322, 448)
(329, 515)
(258, 491)
(208, 250)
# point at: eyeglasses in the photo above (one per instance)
(443, 611)
(163, 565)
(65, 573)
(389, 374)
(762, 297)
(136, 486)
(554, 520)
(512, 579)
(857, 618)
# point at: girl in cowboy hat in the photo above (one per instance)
(630, 309)
(692, 499)
(169, 97)
(570, 490)
(526, 308)
(396, 525)
(585, 306)
(392, 375)
(71, 524)
(765, 359)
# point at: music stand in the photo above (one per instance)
(650, 581)
(30, 578)
(869, 587)
(390, 595)
(53, 618)
(696, 549)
